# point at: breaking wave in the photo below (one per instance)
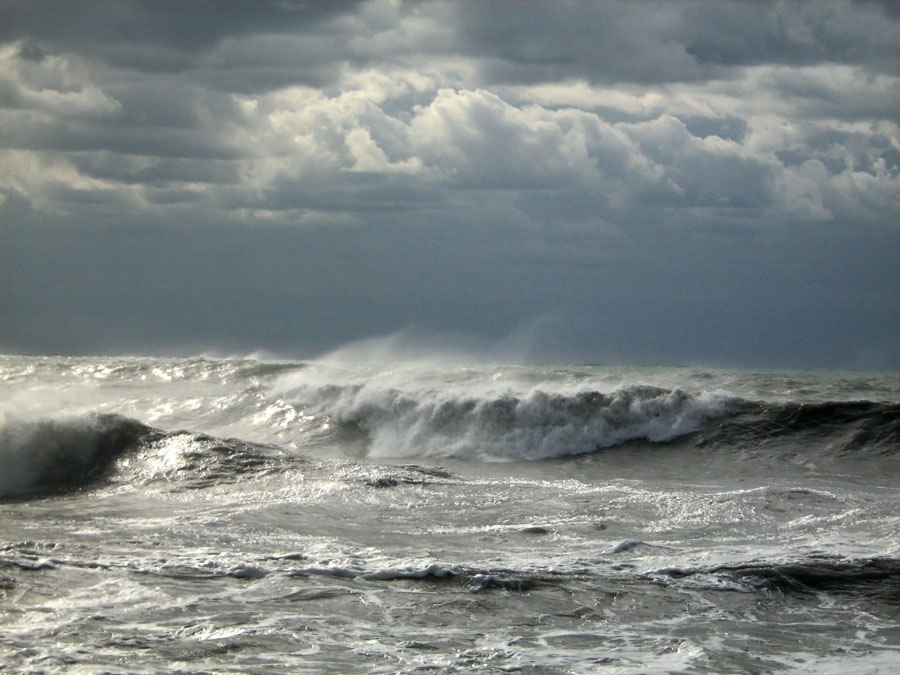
(268, 426)
(394, 422)
(53, 456)
(46, 456)
(537, 425)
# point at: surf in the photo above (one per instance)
(47, 456)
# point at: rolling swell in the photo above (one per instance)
(51, 456)
(195, 460)
(544, 425)
(54, 456)
(875, 577)
(842, 428)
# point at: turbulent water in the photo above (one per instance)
(201, 515)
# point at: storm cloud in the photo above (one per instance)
(649, 182)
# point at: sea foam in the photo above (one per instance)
(507, 426)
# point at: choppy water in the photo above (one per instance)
(198, 515)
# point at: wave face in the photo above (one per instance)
(47, 456)
(877, 577)
(838, 427)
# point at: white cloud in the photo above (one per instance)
(475, 139)
(368, 157)
(50, 181)
(801, 192)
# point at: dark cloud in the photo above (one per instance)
(803, 33)
(730, 128)
(664, 41)
(672, 295)
(537, 42)
(156, 35)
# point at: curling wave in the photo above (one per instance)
(48, 456)
(53, 456)
(537, 425)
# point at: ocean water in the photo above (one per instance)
(215, 515)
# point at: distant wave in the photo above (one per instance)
(46, 456)
(542, 425)
(538, 425)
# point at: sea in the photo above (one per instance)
(428, 514)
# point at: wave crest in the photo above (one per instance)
(46, 456)
(537, 425)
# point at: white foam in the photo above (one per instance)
(408, 415)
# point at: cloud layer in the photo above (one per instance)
(510, 160)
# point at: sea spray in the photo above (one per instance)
(536, 425)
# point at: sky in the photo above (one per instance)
(674, 183)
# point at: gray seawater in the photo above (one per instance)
(203, 515)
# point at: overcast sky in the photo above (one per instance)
(616, 182)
